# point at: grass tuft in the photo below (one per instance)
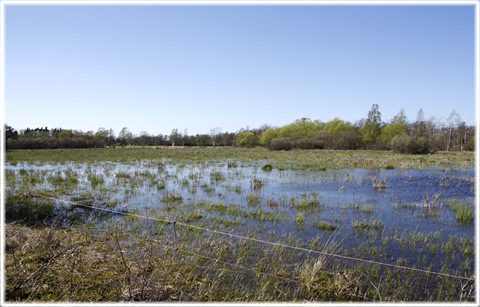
(326, 226)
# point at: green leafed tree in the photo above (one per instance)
(267, 136)
(373, 126)
(337, 125)
(397, 126)
(246, 139)
(300, 127)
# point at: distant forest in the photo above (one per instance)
(421, 136)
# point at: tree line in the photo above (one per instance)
(421, 136)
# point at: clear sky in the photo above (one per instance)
(156, 68)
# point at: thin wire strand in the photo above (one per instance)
(261, 241)
(249, 269)
(195, 254)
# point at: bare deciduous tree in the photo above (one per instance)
(214, 133)
(175, 136)
(453, 123)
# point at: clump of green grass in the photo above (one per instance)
(299, 219)
(253, 199)
(217, 176)
(367, 208)
(234, 209)
(364, 224)
(122, 175)
(355, 205)
(261, 215)
(267, 167)
(220, 207)
(447, 247)
(59, 180)
(146, 174)
(390, 166)
(463, 210)
(231, 165)
(171, 197)
(56, 180)
(192, 216)
(226, 221)
(95, 179)
(304, 204)
(326, 226)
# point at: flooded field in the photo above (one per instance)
(420, 219)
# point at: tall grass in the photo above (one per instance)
(86, 263)
(463, 210)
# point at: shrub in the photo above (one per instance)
(437, 142)
(317, 141)
(282, 143)
(345, 140)
(321, 139)
(305, 143)
(411, 145)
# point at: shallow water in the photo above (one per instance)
(339, 197)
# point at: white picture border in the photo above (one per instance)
(3, 16)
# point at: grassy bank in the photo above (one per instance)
(84, 263)
(81, 264)
(294, 159)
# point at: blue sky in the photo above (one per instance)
(156, 68)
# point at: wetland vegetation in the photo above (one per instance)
(233, 224)
(421, 136)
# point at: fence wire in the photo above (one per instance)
(256, 240)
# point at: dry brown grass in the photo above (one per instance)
(80, 264)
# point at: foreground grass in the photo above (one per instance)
(294, 159)
(74, 264)
(82, 264)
